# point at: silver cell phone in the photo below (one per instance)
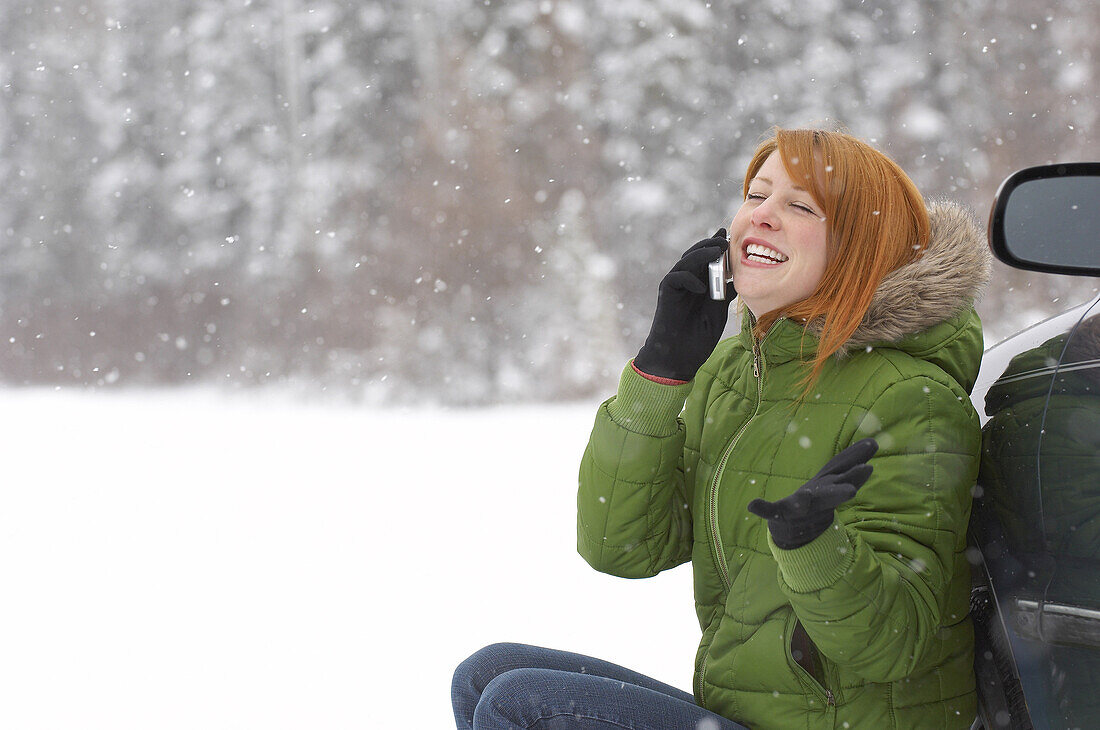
(719, 273)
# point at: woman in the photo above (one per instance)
(818, 476)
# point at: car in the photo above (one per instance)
(1034, 539)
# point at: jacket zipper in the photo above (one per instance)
(703, 671)
(818, 687)
(716, 538)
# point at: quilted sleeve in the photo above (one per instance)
(884, 591)
(633, 518)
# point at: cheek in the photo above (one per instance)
(822, 259)
(815, 260)
(741, 216)
(820, 249)
(820, 263)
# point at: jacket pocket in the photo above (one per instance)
(805, 660)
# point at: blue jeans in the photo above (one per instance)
(510, 686)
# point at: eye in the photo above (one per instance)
(755, 196)
(804, 208)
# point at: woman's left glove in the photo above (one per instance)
(799, 518)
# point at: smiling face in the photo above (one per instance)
(777, 241)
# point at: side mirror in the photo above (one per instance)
(1047, 218)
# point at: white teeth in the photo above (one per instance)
(768, 253)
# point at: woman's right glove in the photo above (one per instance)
(688, 323)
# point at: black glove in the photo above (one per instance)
(688, 323)
(799, 518)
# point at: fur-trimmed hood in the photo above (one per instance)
(946, 278)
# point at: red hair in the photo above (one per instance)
(876, 221)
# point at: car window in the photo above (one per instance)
(1039, 500)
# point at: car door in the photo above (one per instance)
(1036, 526)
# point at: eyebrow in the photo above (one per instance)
(769, 182)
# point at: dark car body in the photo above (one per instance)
(1035, 529)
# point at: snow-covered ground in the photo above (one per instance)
(188, 559)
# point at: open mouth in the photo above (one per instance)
(763, 254)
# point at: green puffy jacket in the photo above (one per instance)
(867, 625)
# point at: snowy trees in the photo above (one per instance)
(455, 200)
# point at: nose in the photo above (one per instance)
(764, 216)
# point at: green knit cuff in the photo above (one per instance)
(646, 407)
(819, 563)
